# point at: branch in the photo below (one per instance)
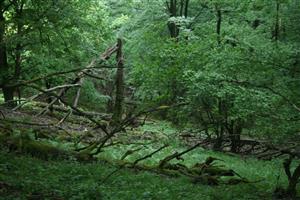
(176, 155)
(149, 155)
(2, 114)
(94, 76)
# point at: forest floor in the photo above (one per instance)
(26, 177)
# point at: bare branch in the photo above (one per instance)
(176, 155)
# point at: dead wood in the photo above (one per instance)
(149, 155)
(176, 155)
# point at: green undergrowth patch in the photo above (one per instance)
(23, 177)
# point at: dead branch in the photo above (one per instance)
(2, 114)
(76, 99)
(176, 155)
(64, 118)
(130, 152)
(128, 121)
(50, 105)
(94, 76)
(149, 155)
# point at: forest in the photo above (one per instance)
(150, 99)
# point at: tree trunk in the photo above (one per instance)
(174, 31)
(218, 144)
(8, 92)
(235, 132)
(186, 9)
(49, 98)
(219, 23)
(118, 107)
(18, 51)
(220, 127)
(276, 32)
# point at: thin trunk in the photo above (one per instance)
(181, 7)
(235, 130)
(219, 23)
(49, 98)
(220, 128)
(76, 100)
(118, 107)
(18, 60)
(186, 8)
(109, 92)
(173, 29)
(18, 50)
(277, 31)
